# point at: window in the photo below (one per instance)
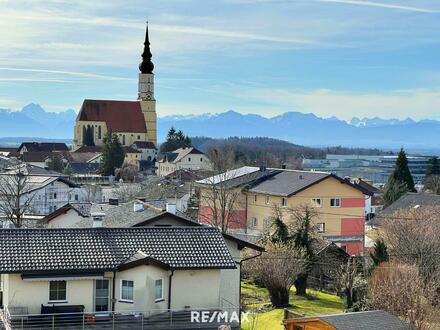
(201, 159)
(284, 202)
(76, 197)
(158, 290)
(316, 202)
(55, 196)
(139, 137)
(335, 202)
(127, 290)
(123, 139)
(267, 200)
(189, 159)
(255, 199)
(57, 291)
(321, 227)
(254, 222)
(99, 132)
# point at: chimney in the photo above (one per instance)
(171, 208)
(98, 218)
(138, 207)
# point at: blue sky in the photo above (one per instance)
(339, 58)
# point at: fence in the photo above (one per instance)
(153, 319)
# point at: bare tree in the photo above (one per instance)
(277, 270)
(127, 192)
(220, 197)
(16, 197)
(127, 172)
(412, 238)
(399, 290)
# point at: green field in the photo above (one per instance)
(316, 303)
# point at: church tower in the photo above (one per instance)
(146, 91)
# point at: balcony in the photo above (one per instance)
(153, 319)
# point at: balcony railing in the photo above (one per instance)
(130, 320)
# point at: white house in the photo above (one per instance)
(148, 149)
(182, 158)
(145, 270)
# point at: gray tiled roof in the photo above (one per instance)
(410, 201)
(100, 249)
(287, 183)
(366, 321)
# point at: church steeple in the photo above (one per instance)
(146, 65)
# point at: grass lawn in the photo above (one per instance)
(316, 303)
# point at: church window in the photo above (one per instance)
(123, 139)
(99, 132)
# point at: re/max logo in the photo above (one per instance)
(217, 317)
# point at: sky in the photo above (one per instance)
(340, 58)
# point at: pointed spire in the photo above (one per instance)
(146, 65)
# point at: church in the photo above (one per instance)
(132, 121)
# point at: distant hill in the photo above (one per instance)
(273, 152)
(310, 130)
(298, 128)
(34, 121)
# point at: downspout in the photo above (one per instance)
(113, 290)
(239, 284)
(169, 287)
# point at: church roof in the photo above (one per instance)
(120, 116)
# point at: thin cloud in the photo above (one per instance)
(383, 5)
(71, 73)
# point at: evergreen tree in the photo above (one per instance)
(55, 163)
(379, 253)
(280, 234)
(400, 181)
(175, 140)
(433, 166)
(112, 154)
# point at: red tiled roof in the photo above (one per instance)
(120, 116)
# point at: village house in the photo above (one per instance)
(144, 270)
(41, 147)
(183, 158)
(339, 205)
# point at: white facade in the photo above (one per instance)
(186, 159)
(27, 295)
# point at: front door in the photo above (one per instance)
(102, 295)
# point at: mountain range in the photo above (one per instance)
(295, 127)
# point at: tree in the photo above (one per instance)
(55, 163)
(303, 235)
(219, 199)
(127, 172)
(277, 270)
(16, 197)
(399, 290)
(432, 184)
(433, 166)
(175, 140)
(88, 137)
(379, 253)
(112, 154)
(400, 181)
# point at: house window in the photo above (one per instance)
(267, 200)
(99, 132)
(321, 227)
(255, 199)
(335, 202)
(316, 202)
(123, 139)
(139, 137)
(189, 159)
(55, 196)
(284, 202)
(158, 290)
(76, 197)
(201, 159)
(127, 290)
(57, 291)
(254, 222)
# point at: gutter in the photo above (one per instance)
(169, 287)
(113, 291)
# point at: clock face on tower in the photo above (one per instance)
(149, 96)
